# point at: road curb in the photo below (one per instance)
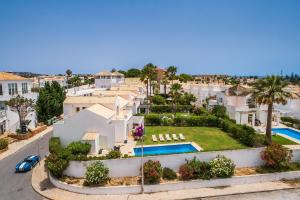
(39, 174)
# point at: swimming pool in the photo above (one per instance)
(287, 131)
(165, 149)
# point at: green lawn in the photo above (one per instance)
(281, 140)
(210, 139)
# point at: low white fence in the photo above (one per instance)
(180, 185)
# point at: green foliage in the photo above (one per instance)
(152, 172)
(185, 78)
(200, 111)
(221, 167)
(169, 174)
(56, 165)
(79, 148)
(219, 111)
(169, 108)
(201, 170)
(158, 100)
(276, 156)
(50, 101)
(187, 99)
(114, 154)
(55, 145)
(243, 133)
(96, 174)
(152, 119)
(3, 144)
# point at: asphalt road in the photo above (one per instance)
(15, 186)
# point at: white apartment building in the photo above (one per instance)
(10, 86)
(103, 121)
(106, 80)
(42, 80)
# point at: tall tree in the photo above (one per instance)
(50, 101)
(22, 106)
(171, 73)
(175, 93)
(69, 74)
(268, 91)
(147, 74)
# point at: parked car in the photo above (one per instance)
(28, 163)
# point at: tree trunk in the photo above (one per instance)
(269, 124)
(147, 85)
(165, 89)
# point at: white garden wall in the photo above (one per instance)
(180, 185)
(131, 166)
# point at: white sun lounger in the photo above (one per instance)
(154, 138)
(181, 136)
(174, 136)
(161, 137)
(168, 137)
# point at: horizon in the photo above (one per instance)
(199, 37)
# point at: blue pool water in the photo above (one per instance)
(165, 149)
(287, 131)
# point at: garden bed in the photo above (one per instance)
(28, 134)
(176, 185)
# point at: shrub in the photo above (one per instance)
(96, 173)
(56, 165)
(219, 111)
(200, 111)
(158, 100)
(200, 169)
(221, 167)
(153, 120)
(152, 172)
(169, 174)
(3, 144)
(55, 145)
(288, 119)
(166, 121)
(77, 148)
(186, 172)
(276, 156)
(113, 154)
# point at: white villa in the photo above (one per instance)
(10, 86)
(42, 80)
(106, 80)
(104, 118)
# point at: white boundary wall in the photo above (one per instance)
(180, 185)
(131, 166)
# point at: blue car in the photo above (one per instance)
(27, 164)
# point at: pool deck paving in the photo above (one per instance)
(41, 185)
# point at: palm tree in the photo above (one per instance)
(268, 91)
(69, 73)
(171, 73)
(147, 74)
(165, 82)
(175, 94)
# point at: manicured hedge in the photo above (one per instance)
(3, 144)
(169, 108)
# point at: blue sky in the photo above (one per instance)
(241, 37)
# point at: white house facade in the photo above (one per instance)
(10, 86)
(106, 80)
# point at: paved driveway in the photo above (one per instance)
(18, 186)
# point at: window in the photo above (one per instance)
(12, 88)
(1, 90)
(24, 88)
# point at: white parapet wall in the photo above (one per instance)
(180, 185)
(131, 166)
